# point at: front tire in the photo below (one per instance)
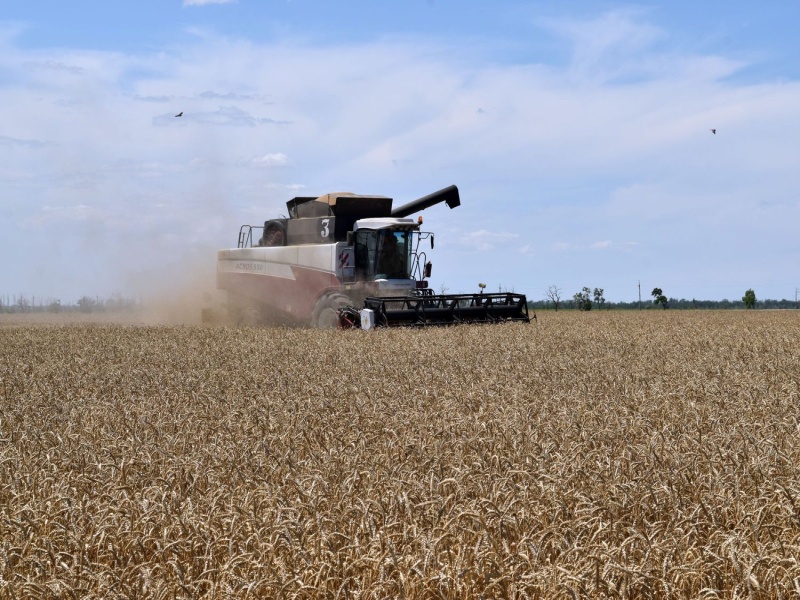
(326, 313)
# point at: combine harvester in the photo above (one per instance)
(349, 261)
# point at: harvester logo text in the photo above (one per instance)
(254, 267)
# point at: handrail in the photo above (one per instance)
(246, 235)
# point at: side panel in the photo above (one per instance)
(289, 278)
(310, 231)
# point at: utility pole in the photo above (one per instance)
(640, 295)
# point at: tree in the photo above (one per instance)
(659, 298)
(582, 299)
(749, 299)
(553, 294)
(86, 304)
(598, 297)
(23, 304)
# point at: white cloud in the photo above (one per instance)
(7, 141)
(222, 115)
(61, 214)
(292, 188)
(483, 240)
(54, 66)
(610, 245)
(277, 159)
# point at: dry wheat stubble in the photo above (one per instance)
(612, 454)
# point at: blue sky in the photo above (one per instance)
(578, 133)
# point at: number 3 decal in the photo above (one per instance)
(325, 231)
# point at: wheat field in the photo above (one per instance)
(619, 455)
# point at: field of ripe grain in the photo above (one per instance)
(631, 455)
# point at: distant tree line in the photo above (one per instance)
(592, 299)
(32, 304)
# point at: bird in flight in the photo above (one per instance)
(180, 114)
(714, 131)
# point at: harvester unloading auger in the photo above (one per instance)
(349, 260)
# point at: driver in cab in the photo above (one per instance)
(390, 263)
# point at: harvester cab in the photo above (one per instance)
(340, 254)
(387, 252)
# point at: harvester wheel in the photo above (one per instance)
(326, 313)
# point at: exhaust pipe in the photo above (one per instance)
(448, 195)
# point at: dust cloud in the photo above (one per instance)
(179, 292)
